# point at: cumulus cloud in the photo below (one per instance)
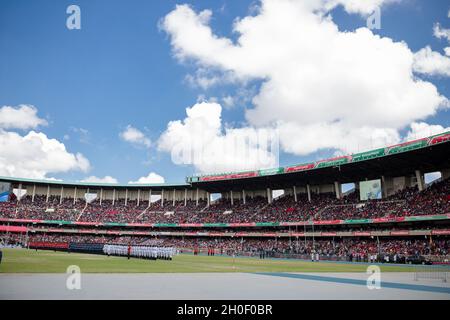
(319, 85)
(135, 136)
(422, 130)
(447, 51)
(20, 117)
(364, 7)
(441, 32)
(105, 179)
(427, 61)
(335, 136)
(34, 155)
(150, 179)
(207, 78)
(202, 140)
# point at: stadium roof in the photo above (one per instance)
(94, 185)
(427, 154)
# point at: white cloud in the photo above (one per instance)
(207, 78)
(427, 61)
(152, 178)
(320, 85)
(447, 51)
(440, 32)
(334, 136)
(135, 136)
(35, 155)
(202, 140)
(363, 7)
(228, 101)
(105, 179)
(420, 130)
(52, 179)
(20, 117)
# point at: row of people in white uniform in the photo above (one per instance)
(139, 251)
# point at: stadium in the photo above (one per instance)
(284, 233)
(225, 158)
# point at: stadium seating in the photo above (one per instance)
(408, 202)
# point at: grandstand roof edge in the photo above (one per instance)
(92, 184)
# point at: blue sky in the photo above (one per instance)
(119, 70)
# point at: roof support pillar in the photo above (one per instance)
(231, 197)
(174, 194)
(295, 193)
(162, 198)
(101, 195)
(445, 174)
(420, 182)
(308, 191)
(269, 195)
(61, 195)
(75, 195)
(114, 196)
(126, 197)
(48, 193)
(383, 186)
(20, 192)
(243, 197)
(185, 197)
(196, 198)
(34, 193)
(337, 189)
(138, 197)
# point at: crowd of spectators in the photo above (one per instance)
(340, 247)
(433, 200)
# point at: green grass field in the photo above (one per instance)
(31, 261)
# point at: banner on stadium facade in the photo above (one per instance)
(13, 229)
(89, 197)
(269, 172)
(362, 156)
(369, 190)
(19, 193)
(300, 167)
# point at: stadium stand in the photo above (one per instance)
(402, 217)
(408, 202)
